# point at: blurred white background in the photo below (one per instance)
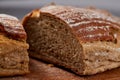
(21, 7)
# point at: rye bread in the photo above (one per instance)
(83, 40)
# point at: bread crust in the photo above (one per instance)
(99, 22)
(11, 27)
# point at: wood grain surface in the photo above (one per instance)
(43, 71)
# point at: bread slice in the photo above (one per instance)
(13, 47)
(86, 41)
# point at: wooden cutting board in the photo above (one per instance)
(43, 71)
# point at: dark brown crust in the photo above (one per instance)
(11, 27)
(88, 24)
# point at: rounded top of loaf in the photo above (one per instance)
(88, 24)
(11, 27)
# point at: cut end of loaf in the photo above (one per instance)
(51, 39)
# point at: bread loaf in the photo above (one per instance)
(83, 40)
(13, 47)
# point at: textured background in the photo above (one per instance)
(20, 7)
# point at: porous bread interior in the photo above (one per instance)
(14, 58)
(52, 38)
